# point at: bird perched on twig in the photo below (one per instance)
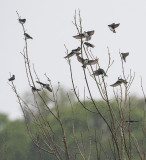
(89, 44)
(124, 55)
(98, 72)
(87, 35)
(22, 21)
(73, 52)
(12, 78)
(46, 86)
(34, 89)
(119, 82)
(86, 62)
(113, 26)
(27, 36)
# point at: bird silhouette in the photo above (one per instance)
(22, 21)
(131, 121)
(87, 35)
(113, 26)
(86, 62)
(34, 89)
(98, 72)
(73, 52)
(124, 55)
(89, 44)
(12, 78)
(119, 82)
(27, 36)
(46, 86)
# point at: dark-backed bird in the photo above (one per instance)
(87, 35)
(73, 52)
(119, 82)
(46, 86)
(124, 55)
(131, 121)
(89, 44)
(98, 72)
(22, 21)
(113, 26)
(27, 36)
(12, 78)
(34, 89)
(86, 62)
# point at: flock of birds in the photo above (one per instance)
(87, 36)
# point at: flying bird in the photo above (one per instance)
(124, 55)
(113, 26)
(12, 78)
(27, 36)
(89, 44)
(86, 62)
(22, 21)
(119, 82)
(98, 72)
(131, 121)
(34, 89)
(87, 35)
(73, 52)
(46, 86)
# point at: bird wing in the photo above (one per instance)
(69, 55)
(48, 87)
(116, 84)
(90, 33)
(116, 25)
(79, 36)
(80, 59)
(91, 62)
(40, 83)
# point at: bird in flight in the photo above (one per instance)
(131, 121)
(124, 55)
(27, 36)
(89, 44)
(22, 21)
(119, 82)
(87, 35)
(98, 72)
(34, 89)
(73, 52)
(12, 78)
(86, 62)
(46, 86)
(113, 26)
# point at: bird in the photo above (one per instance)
(113, 26)
(124, 55)
(89, 44)
(131, 121)
(12, 78)
(34, 89)
(46, 86)
(87, 35)
(86, 62)
(73, 52)
(22, 21)
(119, 82)
(27, 36)
(98, 72)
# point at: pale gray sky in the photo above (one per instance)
(50, 24)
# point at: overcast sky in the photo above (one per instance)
(50, 25)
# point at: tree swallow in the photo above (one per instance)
(113, 26)
(46, 86)
(87, 35)
(86, 62)
(98, 72)
(124, 55)
(27, 36)
(89, 44)
(22, 21)
(119, 82)
(34, 89)
(12, 78)
(73, 52)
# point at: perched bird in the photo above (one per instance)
(89, 44)
(12, 78)
(98, 72)
(124, 55)
(113, 26)
(131, 121)
(27, 36)
(119, 82)
(87, 35)
(86, 62)
(73, 52)
(22, 21)
(46, 86)
(34, 89)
